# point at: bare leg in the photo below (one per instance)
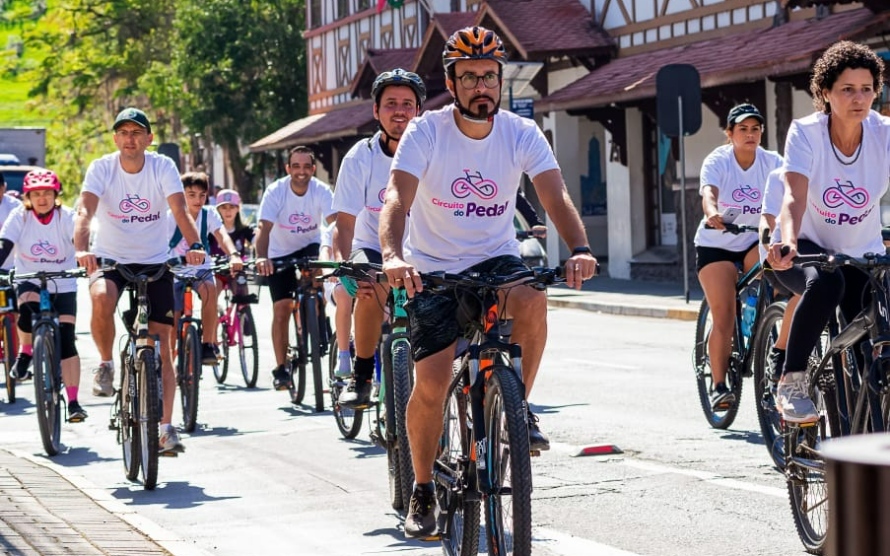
(425, 410)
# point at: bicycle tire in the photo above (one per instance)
(459, 509)
(189, 377)
(807, 491)
(297, 366)
(402, 384)
(148, 374)
(508, 518)
(313, 342)
(384, 432)
(349, 421)
(47, 389)
(128, 408)
(701, 365)
(9, 348)
(221, 371)
(248, 348)
(764, 387)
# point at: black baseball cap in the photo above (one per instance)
(742, 112)
(134, 115)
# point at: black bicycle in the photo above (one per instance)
(8, 334)
(138, 403)
(47, 362)
(484, 454)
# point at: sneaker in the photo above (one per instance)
(169, 441)
(793, 400)
(281, 378)
(721, 397)
(209, 354)
(420, 523)
(20, 370)
(357, 394)
(774, 363)
(76, 414)
(537, 440)
(103, 381)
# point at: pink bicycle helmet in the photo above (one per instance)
(41, 179)
(228, 197)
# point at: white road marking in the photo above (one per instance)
(708, 477)
(598, 363)
(557, 543)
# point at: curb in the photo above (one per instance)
(627, 309)
(166, 539)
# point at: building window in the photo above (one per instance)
(342, 8)
(315, 14)
(364, 5)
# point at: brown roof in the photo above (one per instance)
(449, 22)
(874, 5)
(351, 120)
(784, 50)
(547, 27)
(378, 60)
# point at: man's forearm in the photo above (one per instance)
(392, 230)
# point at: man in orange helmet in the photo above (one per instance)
(465, 231)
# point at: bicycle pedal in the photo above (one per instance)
(534, 453)
(435, 537)
(169, 454)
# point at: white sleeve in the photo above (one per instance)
(798, 151)
(773, 193)
(270, 204)
(711, 172)
(95, 179)
(214, 222)
(12, 228)
(169, 176)
(414, 151)
(325, 199)
(537, 156)
(349, 196)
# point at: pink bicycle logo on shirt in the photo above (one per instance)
(299, 218)
(745, 193)
(43, 247)
(382, 195)
(134, 202)
(845, 193)
(475, 183)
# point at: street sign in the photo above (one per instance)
(524, 107)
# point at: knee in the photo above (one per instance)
(26, 314)
(67, 340)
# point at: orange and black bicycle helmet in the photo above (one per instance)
(473, 43)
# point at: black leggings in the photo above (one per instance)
(821, 292)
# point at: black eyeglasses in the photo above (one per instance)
(470, 80)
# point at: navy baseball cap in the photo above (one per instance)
(741, 113)
(133, 115)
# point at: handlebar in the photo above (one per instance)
(734, 229)
(129, 275)
(869, 261)
(44, 275)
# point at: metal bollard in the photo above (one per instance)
(857, 474)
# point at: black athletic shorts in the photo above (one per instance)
(707, 255)
(160, 292)
(436, 320)
(283, 284)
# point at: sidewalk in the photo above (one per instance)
(43, 513)
(629, 298)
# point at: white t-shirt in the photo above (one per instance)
(214, 222)
(842, 213)
(40, 246)
(7, 205)
(463, 211)
(737, 188)
(297, 219)
(361, 185)
(773, 194)
(132, 207)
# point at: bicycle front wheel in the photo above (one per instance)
(722, 418)
(248, 348)
(189, 377)
(764, 384)
(9, 348)
(508, 512)
(402, 384)
(148, 374)
(47, 389)
(221, 371)
(297, 355)
(127, 407)
(313, 343)
(349, 420)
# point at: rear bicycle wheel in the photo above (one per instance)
(508, 515)
(128, 407)
(764, 384)
(724, 417)
(402, 384)
(221, 370)
(459, 508)
(7, 338)
(349, 421)
(148, 375)
(189, 371)
(314, 342)
(47, 389)
(248, 348)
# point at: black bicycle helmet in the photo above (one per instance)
(399, 76)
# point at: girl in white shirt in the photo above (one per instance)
(732, 181)
(837, 168)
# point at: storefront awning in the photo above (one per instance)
(354, 119)
(774, 52)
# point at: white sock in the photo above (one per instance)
(109, 364)
(345, 360)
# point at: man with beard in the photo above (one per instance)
(292, 213)
(457, 170)
(398, 96)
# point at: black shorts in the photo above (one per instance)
(63, 303)
(365, 255)
(707, 255)
(779, 289)
(283, 284)
(437, 320)
(160, 292)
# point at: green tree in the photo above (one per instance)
(242, 64)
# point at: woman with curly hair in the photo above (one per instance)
(837, 167)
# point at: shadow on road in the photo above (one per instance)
(304, 410)
(203, 429)
(397, 534)
(20, 406)
(79, 456)
(745, 436)
(550, 409)
(175, 495)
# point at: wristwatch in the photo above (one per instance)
(582, 249)
(196, 247)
